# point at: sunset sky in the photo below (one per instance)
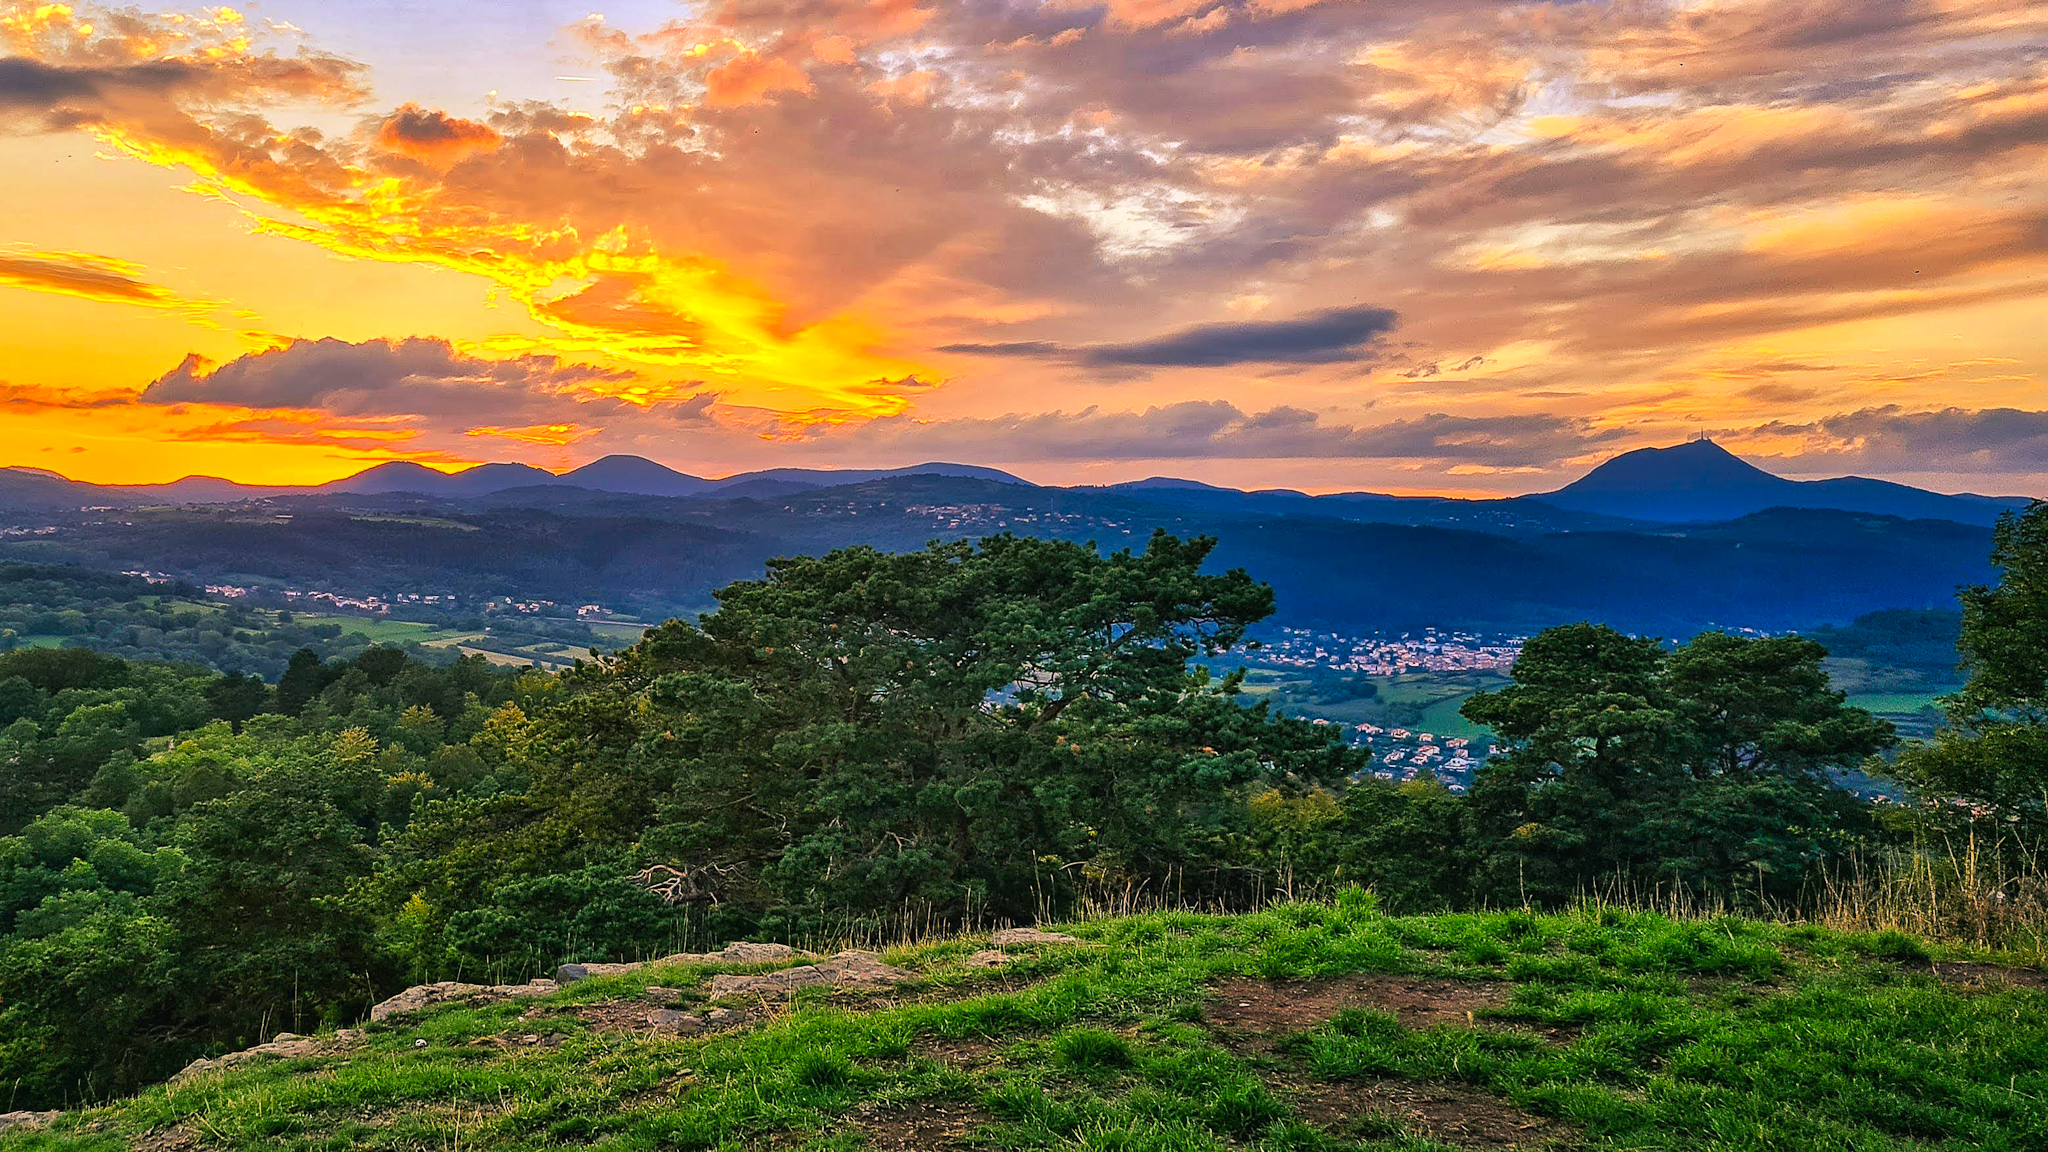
(1420, 246)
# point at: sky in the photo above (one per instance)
(1455, 246)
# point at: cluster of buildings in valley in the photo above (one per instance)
(382, 605)
(1403, 754)
(995, 517)
(1377, 654)
(1399, 753)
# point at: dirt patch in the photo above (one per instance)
(1453, 1114)
(1971, 974)
(1248, 1007)
(926, 1124)
(177, 1138)
(966, 1052)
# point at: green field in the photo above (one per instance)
(1302, 1028)
(619, 633)
(1898, 703)
(377, 629)
(1422, 701)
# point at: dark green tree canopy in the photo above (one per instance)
(964, 726)
(1992, 758)
(1704, 766)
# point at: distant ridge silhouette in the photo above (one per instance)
(1700, 481)
(1695, 482)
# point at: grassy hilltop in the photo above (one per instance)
(1305, 1026)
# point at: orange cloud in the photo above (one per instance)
(434, 137)
(88, 277)
(750, 78)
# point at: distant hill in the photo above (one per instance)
(806, 478)
(402, 476)
(636, 475)
(1700, 482)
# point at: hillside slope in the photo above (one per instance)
(1306, 1026)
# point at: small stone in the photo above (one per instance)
(987, 958)
(419, 1043)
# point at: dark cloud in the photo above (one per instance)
(1217, 429)
(33, 84)
(56, 95)
(1893, 438)
(412, 377)
(1334, 336)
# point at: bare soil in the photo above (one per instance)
(926, 1124)
(967, 1052)
(1971, 974)
(1254, 1011)
(1454, 1114)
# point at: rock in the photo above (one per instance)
(669, 1020)
(861, 971)
(421, 996)
(657, 992)
(25, 1121)
(1011, 937)
(987, 958)
(739, 952)
(286, 1045)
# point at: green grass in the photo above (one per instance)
(377, 629)
(1611, 1029)
(1897, 703)
(1421, 701)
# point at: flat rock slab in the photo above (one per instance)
(691, 1023)
(856, 971)
(740, 952)
(24, 1121)
(427, 995)
(1019, 937)
(987, 958)
(285, 1046)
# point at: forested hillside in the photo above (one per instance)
(861, 743)
(54, 606)
(1516, 571)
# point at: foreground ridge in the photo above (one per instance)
(1306, 1026)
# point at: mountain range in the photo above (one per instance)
(1694, 483)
